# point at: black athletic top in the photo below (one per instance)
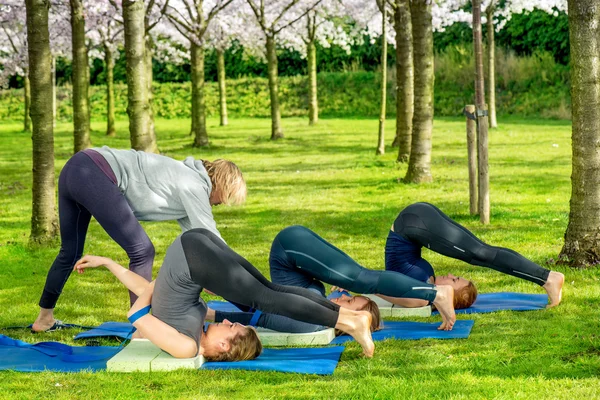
(404, 256)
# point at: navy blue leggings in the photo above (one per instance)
(305, 252)
(428, 226)
(85, 191)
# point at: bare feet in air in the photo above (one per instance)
(553, 287)
(362, 334)
(358, 325)
(444, 303)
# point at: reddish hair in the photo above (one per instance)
(465, 297)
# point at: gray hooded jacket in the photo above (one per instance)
(159, 188)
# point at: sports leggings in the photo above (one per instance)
(216, 267)
(425, 224)
(84, 191)
(306, 251)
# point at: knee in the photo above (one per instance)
(486, 253)
(68, 255)
(419, 208)
(292, 234)
(142, 252)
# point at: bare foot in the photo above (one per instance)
(553, 287)
(362, 334)
(444, 302)
(358, 325)
(44, 321)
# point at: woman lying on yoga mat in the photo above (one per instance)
(121, 187)
(199, 259)
(297, 251)
(424, 225)
(301, 258)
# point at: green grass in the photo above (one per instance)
(328, 178)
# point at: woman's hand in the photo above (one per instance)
(337, 289)
(89, 261)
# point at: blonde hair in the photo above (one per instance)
(465, 297)
(227, 178)
(241, 347)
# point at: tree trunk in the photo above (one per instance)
(27, 95)
(109, 64)
(149, 79)
(276, 131)
(313, 101)
(582, 238)
(222, 90)
(43, 215)
(137, 90)
(482, 120)
(80, 78)
(419, 164)
(381, 133)
(53, 90)
(404, 79)
(472, 160)
(198, 104)
(491, 67)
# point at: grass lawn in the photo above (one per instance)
(328, 178)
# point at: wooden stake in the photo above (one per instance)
(472, 159)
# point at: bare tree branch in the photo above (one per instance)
(10, 40)
(187, 34)
(296, 19)
(182, 22)
(282, 13)
(216, 9)
(162, 13)
(259, 15)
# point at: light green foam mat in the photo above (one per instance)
(142, 355)
(387, 309)
(273, 338)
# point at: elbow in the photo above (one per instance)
(184, 350)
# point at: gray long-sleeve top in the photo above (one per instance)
(159, 188)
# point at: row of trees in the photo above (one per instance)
(196, 23)
(180, 30)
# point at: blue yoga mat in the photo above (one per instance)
(224, 306)
(405, 330)
(121, 330)
(320, 361)
(491, 302)
(52, 356)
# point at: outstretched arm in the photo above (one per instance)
(164, 336)
(132, 281)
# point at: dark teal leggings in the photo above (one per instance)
(299, 253)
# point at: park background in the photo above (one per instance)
(327, 176)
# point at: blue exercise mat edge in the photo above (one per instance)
(505, 301)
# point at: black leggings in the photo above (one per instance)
(425, 224)
(303, 251)
(216, 267)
